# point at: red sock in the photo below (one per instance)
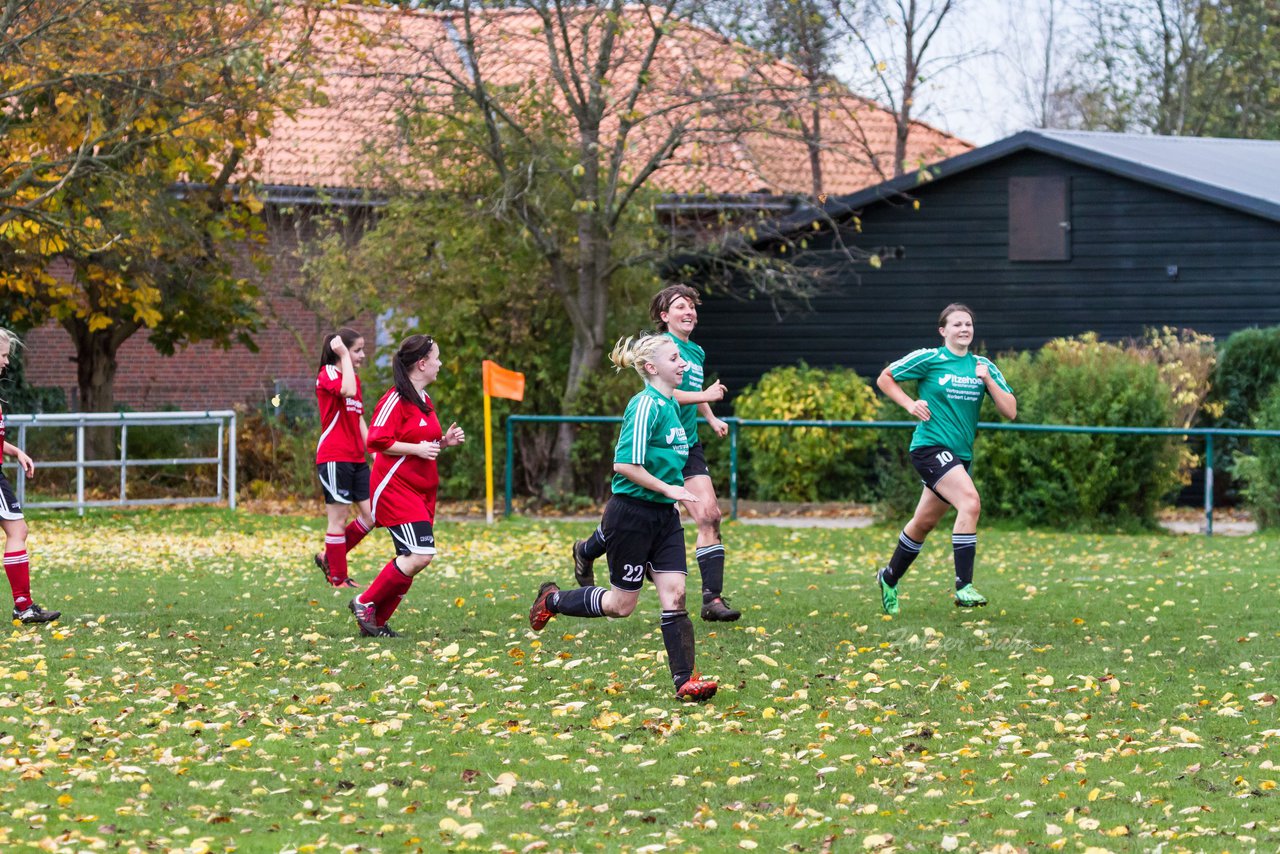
(335, 552)
(385, 587)
(355, 533)
(18, 568)
(387, 608)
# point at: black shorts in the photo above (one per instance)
(697, 462)
(413, 538)
(10, 509)
(935, 461)
(641, 533)
(344, 483)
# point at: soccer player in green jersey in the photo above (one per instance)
(674, 310)
(641, 525)
(951, 383)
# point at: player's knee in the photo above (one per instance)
(413, 564)
(710, 521)
(16, 531)
(921, 525)
(619, 609)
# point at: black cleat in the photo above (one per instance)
(366, 618)
(33, 613)
(583, 572)
(718, 611)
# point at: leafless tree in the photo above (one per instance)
(575, 108)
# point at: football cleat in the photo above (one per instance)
(539, 613)
(366, 618)
(33, 613)
(583, 573)
(696, 690)
(888, 593)
(718, 611)
(969, 597)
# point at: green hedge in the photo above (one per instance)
(807, 463)
(1080, 480)
(1248, 368)
(1259, 472)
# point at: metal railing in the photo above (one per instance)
(223, 420)
(736, 425)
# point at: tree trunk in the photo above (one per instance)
(813, 140)
(590, 293)
(96, 375)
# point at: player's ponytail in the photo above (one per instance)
(349, 337)
(637, 352)
(412, 349)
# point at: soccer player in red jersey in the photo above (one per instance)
(340, 455)
(406, 439)
(16, 564)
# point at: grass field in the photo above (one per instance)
(206, 691)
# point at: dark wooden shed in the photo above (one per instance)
(1044, 234)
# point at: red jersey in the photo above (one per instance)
(340, 416)
(404, 488)
(1, 427)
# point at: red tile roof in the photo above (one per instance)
(321, 145)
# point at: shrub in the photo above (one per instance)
(1079, 480)
(276, 448)
(1248, 367)
(1187, 361)
(1259, 472)
(897, 483)
(807, 463)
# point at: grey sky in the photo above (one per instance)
(980, 98)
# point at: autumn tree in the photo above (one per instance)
(126, 199)
(575, 147)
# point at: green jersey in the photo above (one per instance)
(953, 390)
(651, 436)
(695, 357)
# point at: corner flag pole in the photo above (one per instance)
(498, 382)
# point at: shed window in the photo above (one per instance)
(1040, 218)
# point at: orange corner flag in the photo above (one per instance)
(500, 382)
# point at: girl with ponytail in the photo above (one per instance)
(340, 453)
(641, 526)
(406, 439)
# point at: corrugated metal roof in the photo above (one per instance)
(1243, 174)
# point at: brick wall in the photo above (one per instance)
(203, 376)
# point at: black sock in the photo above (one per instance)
(711, 567)
(906, 552)
(677, 636)
(582, 602)
(593, 546)
(965, 547)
